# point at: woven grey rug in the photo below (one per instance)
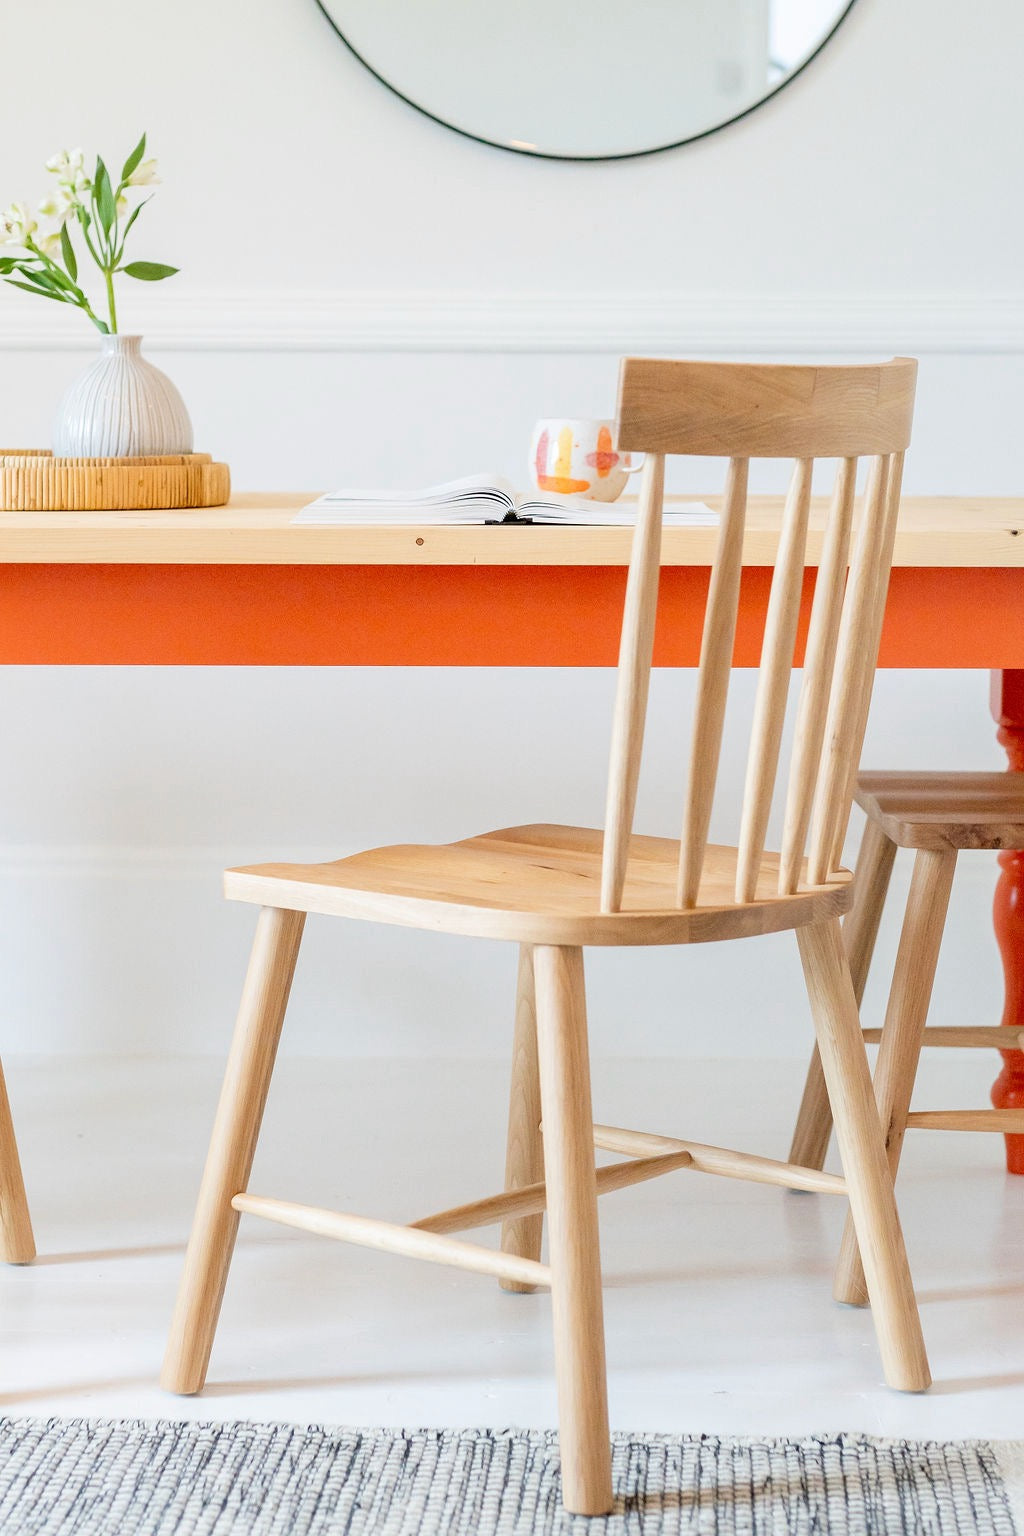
(92, 1477)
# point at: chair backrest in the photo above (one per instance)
(742, 411)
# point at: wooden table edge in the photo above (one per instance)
(256, 529)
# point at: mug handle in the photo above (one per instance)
(630, 469)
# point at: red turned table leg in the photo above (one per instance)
(1008, 911)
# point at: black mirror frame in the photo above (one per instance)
(631, 154)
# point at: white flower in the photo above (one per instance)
(15, 225)
(59, 205)
(144, 175)
(68, 165)
(50, 246)
(122, 205)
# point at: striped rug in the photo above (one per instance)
(92, 1477)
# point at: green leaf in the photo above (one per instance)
(67, 250)
(106, 203)
(42, 279)
(43, 292)
(8, 264)
(55, 278)
(148, 271)
(128, 224)
(133, 159)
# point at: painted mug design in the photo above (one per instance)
(578, 458)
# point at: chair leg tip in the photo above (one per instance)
(917, 1381)
(602, 1504)
(180, 1383)
(850, 1296)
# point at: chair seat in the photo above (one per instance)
(538, 885)
(946, 810)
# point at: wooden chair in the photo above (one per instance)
(17, 1244)
(936, 814)
(554, 890)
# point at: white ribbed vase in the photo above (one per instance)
(121, 407)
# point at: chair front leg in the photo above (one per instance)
(232, 1147)
(862, 1149)
(573, 1242)
(860, 930)
(17, 1243)
(524, 1158)
(903, 1031)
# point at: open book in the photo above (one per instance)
(481, 499)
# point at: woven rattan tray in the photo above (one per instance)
(32, 480)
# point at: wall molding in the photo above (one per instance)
(281, 320)
(155, 862)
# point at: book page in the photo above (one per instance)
(583, 511)
(473, 499)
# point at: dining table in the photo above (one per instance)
(244, 585)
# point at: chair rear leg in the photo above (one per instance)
(905, 1018)
(232, 1147)
(860, 930)
(573, 1231)
(524, 1158)
(17, 1243)
(861, 1146)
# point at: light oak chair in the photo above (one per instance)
(17, 1244)
(937, 814)
(554, 890)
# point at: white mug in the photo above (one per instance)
(575, 457)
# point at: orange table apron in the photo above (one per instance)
(452, 616)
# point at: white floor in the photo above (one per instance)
(718, 1307)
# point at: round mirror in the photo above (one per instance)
(585, 79)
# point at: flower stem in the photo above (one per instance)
(109, 276)
(74, 294)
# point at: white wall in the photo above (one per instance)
(366, 297)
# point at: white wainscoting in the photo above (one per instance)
(183, 319)
(126, 791)
(133, 951)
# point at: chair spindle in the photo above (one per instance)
(856, 626)
(635, 651)
(713, 682)
(819, 662)
(773, 680)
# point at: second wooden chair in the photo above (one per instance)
(938, 815)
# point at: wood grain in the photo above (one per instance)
(945, 809)
(743, 410)
(813, 1129)
(232, 1148)
(523, 1233)
(575, 1256)
(973, 1037)
(816, 684)
(255, 528)
(392, 1237)
(636, 648)
(534, 1197)
(539, 885)
(713, 677)
(17, 1244)
(872, 1203)
(720, 1160)
(773, 681)
(905, 1015)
